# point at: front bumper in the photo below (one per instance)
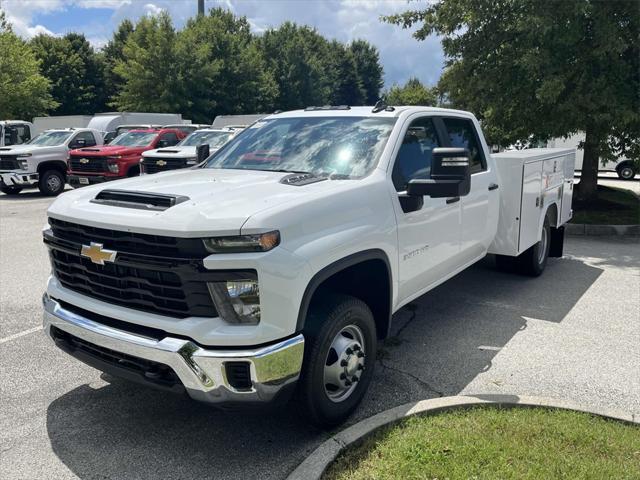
(74, 179)
(203, 372)
(15, 179)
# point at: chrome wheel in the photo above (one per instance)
(542, 251)
(344, 363)
(627, 173)
(54, 183)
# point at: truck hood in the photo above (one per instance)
(33, 149)
(219, 201)
(171, 152)
(108, 150)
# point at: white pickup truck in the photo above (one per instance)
(279, 264)
(42, 162)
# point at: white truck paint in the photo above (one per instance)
(108, 121)
(43, 161)
(303, 271)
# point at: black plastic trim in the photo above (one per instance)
(335, 267)
(139, 200)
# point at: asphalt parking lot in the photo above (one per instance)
(574, 333)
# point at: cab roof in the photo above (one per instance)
(341, 111)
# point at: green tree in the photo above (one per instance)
(297, 57)
(223, 69)
(75, 72)
(112, 53)
(150, 68)
(24, 92)
(369, 69)
(411, 93)
(546, 69)
(344, 83)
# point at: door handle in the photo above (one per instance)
(493, 186)
(453, 200)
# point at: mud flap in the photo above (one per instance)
(557, 242)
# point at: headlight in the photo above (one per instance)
(24, 155)
(23, 164)
(237, 301)
(192, 161)
(243, 243)
(113, 167)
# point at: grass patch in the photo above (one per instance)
(614, 206)
(496, 443)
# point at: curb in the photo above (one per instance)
(314, 466)
(577, 229)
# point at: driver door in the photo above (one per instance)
(428, 228)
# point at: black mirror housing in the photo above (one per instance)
(450, 175)
(202, 152)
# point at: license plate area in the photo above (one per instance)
(83, 180)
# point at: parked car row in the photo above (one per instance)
(80, 156)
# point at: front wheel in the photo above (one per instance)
(533, 261)
(10, 190)
(51, 183)
(339, 359)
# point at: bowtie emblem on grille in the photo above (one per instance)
(161, 163)
(97, 254)
(84, 160)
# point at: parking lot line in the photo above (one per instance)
(19, 334)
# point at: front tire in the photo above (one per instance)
(339, 358)
(534, 260)
(10, 190)
(51, 183)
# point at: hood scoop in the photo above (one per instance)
(168, 151)
(4, 149)
(139, 200)
(301, 179)
(89, 149)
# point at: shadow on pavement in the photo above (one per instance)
(29, 194)
(440, 342)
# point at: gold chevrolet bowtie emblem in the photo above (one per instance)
(161, 163)
(97, 254)
(84, 160)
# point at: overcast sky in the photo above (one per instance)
(402, 56)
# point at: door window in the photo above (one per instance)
(87, 137)
(169, 139)
(414, 158)
(462, 134)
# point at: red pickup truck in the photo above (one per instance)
(119, 159)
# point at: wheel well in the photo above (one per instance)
(53, 165)
(368, 279)
(552, 213)
(626, 163)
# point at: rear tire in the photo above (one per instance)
(339, 358)
(626, 172)
(534, 260)
(6, 189)
(51, 183)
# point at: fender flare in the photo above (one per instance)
(336, 267)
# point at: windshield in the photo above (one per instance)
(134, 139)
(348, 147)
(50, 139)
(214, 139)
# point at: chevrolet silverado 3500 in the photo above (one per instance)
(278, 263)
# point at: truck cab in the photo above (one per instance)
(15, 132)
(42, 161)
(185, 153)
(120, 158)
(277, 264)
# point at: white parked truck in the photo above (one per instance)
(43, 161)
(185, 154)
(279, 263)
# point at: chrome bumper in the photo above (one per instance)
(201, 371)
(13, 179)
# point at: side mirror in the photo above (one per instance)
(450, 175)
(202, 152)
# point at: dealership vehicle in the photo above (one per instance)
(188, 128)
(15, 132)
(279, 262)
(120, 158)
(185, 153)
(42, 162)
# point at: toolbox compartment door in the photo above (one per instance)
(530, 205)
